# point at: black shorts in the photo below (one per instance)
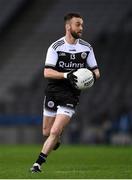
(51, 101)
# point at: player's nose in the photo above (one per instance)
(81, 29)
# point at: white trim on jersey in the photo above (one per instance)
(91, 61)
(51, 57)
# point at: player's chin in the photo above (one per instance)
(79, 35)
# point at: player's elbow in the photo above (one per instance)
(47, 73)
(97, 73)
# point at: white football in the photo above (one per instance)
(85, 78)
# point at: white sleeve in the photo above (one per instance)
(51, 57)
(91, 61)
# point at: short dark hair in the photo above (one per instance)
(69, 16)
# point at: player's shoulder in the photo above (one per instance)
(58, 43)
(85, 43)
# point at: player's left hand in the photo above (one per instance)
(71, 77)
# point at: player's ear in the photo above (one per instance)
(67, 26)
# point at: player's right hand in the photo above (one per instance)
(71, 77)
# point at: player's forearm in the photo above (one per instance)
(53, 74)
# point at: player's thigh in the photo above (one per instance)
(47, 124)
(63, 117)
(49, 114)
(59, 124)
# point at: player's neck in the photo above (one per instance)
(70, 39)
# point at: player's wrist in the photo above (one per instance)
(65, 75)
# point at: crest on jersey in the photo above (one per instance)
(51, 104)
(83, 55)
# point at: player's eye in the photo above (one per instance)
(78, 24)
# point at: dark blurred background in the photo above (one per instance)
(27, 28)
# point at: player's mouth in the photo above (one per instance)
(79, 33)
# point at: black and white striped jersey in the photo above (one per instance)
(64, 57)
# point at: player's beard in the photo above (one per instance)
(75, 35)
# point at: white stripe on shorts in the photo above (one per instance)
(60, 110)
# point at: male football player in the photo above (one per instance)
(64, 56)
